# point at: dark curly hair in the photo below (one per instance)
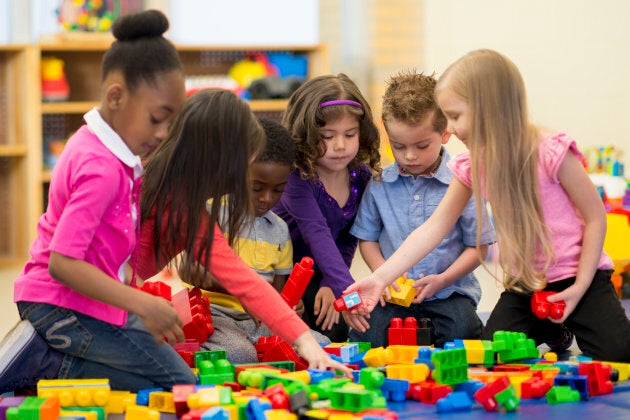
(279, 147)
(304, 117)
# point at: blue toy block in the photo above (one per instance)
(395, 389)
(455, 401)
(142, 398)
(469, 387)
(256, 408)
(216, 413)
(578, 383)
(316, 375)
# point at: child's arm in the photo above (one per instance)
(418, 244)
(584, 196)
(467, 261)
(158, 314)
(371, 253)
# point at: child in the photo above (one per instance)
(263, 243)
(88, 322)
(205, 157)
(337, 147)
(549, 219)
(409, 191)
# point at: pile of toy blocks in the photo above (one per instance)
(464, 375)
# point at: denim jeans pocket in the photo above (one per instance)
(60, 327)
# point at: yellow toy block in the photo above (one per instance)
(87, 415)
(400, 353)
(162, 401)
(298, 375)
(405, 296)
(279, 414)
(140, 412)
(377, 356)
(479, 352)
(616, 240)
(412, 373)
(76, 392)
(119, 401)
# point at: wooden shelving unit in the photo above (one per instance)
(27, 124)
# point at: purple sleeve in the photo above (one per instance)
(300, 205)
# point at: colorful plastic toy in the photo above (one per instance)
(347, 302)
(544, 309)
(299, 278)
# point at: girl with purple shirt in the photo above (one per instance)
(337, 151)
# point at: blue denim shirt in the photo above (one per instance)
(394, 206)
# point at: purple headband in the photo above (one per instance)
(341, 102)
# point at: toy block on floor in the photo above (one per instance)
(75, 392)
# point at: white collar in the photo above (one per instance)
(113, 141)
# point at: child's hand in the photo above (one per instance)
(323, 307)
(371, 290)
(299, 308)
(316, 357)
(162, 320)
(356, 321)
(571, 297)
(427, 286)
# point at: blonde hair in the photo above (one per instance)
(503, 147)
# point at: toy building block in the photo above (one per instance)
(507, 398)
(8, 402)
(402, 354)
(277, 349)
(428, 392)
(194, 310)
(534, 388)
(450, 366)
(371, 378)
(377, 356)
(277, 396)
(405, 295)
(210, 396)
(598, 375)
(576, 382)
(215, 373)
(513, 346)
(478, 352)
(402, 332)
(119, 401)
(140, 412)
(347, 302)
(256, 408)
(395, 389)
(299, 278)
(355, 400)
(75, 392)
(143, 395)
(544, 309)
(486, 396)
(157, 288)
(412, 373)
(455, 401)
(562, 394)
(187, 351)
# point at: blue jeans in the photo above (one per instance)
(129, 355)
(452, 318)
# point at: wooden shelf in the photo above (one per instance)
(27, 123)
(13, 151)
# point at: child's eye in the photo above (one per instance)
(325, 137)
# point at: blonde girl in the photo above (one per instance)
(549, 219)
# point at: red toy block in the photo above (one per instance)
(598, 375)
(486, 396)
(299, 278)
(428, 392)
(187, 350)
(534, 388)
(180, 397)
(277, 396)
(157, 288)
(274, 349)
(543, 308)
(347, 302)
(403, 332)
(194, 310)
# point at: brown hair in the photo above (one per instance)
(304, 117)
(205, 157)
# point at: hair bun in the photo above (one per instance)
(149, 23)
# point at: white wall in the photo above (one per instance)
(573, 54)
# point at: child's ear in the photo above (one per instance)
(113, 95)
(445, 137)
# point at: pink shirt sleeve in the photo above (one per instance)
(555, 148)
(460, 166)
